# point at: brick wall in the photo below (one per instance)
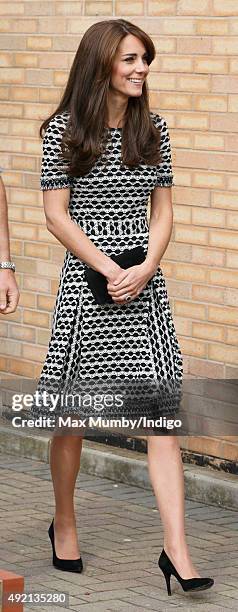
(194, 85)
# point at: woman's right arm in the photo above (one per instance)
(56, 183)
(59, 223)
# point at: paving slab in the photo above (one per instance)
(120, 539)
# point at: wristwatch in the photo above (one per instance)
(7, 264)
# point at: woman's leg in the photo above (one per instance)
(65, 453)
(166, 475)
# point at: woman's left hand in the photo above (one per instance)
(130, 282)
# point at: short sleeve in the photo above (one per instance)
(164, 176)
(53, 173)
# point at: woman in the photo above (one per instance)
(104, 153)
(9, 292)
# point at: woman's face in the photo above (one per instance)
(130, 63)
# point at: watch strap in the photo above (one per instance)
(7, 265)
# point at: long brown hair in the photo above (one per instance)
(85, 99)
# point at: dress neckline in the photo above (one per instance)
(113, 128)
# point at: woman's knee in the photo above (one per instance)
(69, 432)
(162, 441)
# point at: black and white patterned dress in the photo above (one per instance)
(136, 340)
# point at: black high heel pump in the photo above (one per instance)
(188, 584)
(67, 565)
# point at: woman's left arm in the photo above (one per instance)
(160, 227)
(134, 279)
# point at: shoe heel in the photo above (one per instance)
(67, 565)
(187, 584)
(167, 578)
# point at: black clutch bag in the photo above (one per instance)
(97, 282)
